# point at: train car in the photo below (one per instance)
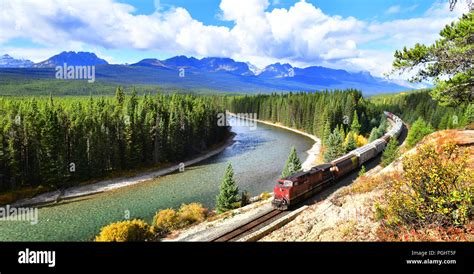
(386, 138)
(379, 145)
(301, 185)
(345, 164)
(365, 153)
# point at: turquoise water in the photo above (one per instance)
(257, 157)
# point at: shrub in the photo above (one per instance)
(436, 188)
(265, 195)
(431, 233)
(125, 231)
(245, 200)
(379, 212)
(166, 220)
(190, 214)
(362, 171)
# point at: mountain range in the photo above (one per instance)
(6, 61)
(216, 73)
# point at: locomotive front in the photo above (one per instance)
(281, 193)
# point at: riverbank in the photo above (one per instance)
(313, 152)
(116, 183)
(112, 184)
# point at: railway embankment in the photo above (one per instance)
(352, 212)
(224, 223)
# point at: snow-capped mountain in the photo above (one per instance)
(6, 61)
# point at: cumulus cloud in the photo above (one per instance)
(261, 33)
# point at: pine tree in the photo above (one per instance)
(351, 142)
(448, 61)
(355, 126)
(326, 131)
(51, 165)
(119, 96)
(373, 135)
(334, 146)
(418, 130)
(390, 153)
(341, 131)
(229, 192)
(292, 165)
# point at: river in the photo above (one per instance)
(257, 156)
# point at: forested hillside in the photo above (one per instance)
(57, 142)
(413, 105)
(311, 112)
(344, 119)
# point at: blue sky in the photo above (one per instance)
(206, 10)
(352, 35)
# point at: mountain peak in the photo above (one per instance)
(72, 58)
(6, 61)
(181, 61)
(277, 70)
(149, 62)
(215, 64)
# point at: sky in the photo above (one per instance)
(345, 34)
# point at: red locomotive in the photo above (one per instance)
(304, 184)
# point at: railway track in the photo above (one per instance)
(245, 228)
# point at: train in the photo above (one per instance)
(303, 184)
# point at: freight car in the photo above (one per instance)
(303, 184)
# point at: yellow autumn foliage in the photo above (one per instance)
(168, 219)
(359, 139)
(437, 187)
(125, 231)
(191, 213)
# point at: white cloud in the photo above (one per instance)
(302, 34)
(393, 9)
